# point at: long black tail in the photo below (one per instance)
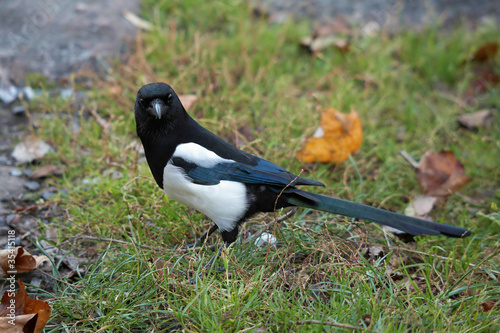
(408, 224)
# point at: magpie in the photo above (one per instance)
(201, 170)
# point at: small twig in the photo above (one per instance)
(281, 218)
(328, 323)
(52, 276)
(118, 241)
(409, 159)
(284, 188)
(100, 120)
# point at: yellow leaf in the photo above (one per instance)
(338, 135)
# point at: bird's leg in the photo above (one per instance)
(211, 261)
(203, 237)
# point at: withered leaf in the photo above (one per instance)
(441, 173)
(47, 170)
(329, 33)
(482, 118)
(421, 206)
(488, 305)
(18, 260)
(31, 315)
(188, 100)
(484, 78)
(486, 52)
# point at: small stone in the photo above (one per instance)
(26, 225)
(265, 238)
(87, 181)
(32, 186)
(116, 175)
(17, 241)
(9, 94)
(36, 282)
(27, 172)
(16, 173)
(12, 219)
(30, 150)
(18, 110)
(4, 228)
(28, 93)
(47, 194)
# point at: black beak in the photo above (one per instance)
(158, 106)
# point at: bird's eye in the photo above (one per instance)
(141, 101)
(170, 98)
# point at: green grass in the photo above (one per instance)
(246, 71)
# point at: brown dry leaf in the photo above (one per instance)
(486, 52)
(440, 174)
(338, 136)
(47, 170)
(488, 305)
(27, 314)
(327, 34)
(485, 78)
(18, 260)
(482, 118)
(188, 100)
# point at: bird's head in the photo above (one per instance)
(157, 106)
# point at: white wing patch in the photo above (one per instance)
(225, 203)
(194, 153)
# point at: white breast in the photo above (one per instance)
(225, 203)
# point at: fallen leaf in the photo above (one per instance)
(486, 52)
(71, 264)
(440, 174)
(27, 314)
(47, 170)
(488, 305)
(188, 100)
(330, 33)
(30, 150)
(374, 252)
(484, 79)
(421, 206)
(17, 260)
(338, 136)
(18, 324)
(315, 45)
(477, 119)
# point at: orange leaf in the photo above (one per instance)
(338, 135)
(21, 311)
(441, 173)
